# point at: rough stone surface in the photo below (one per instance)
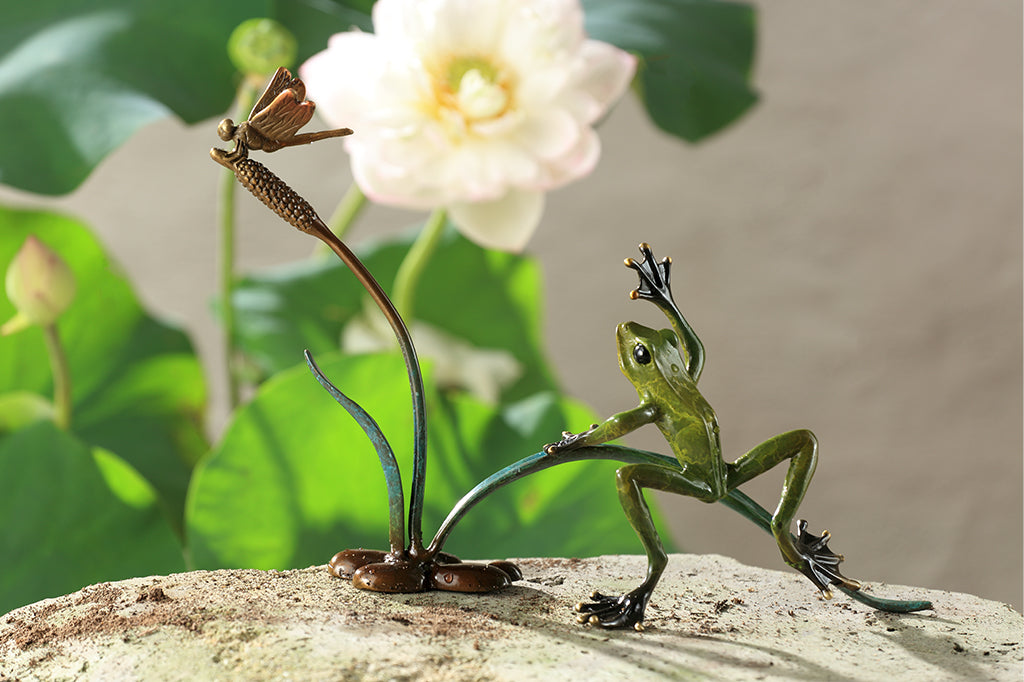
(711, 618)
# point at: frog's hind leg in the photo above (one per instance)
(628, 609)
(807, 553)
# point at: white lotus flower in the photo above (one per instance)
(476, 106)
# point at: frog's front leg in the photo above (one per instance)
(808, 553)
(614, 427)
(628, 609)
(654, 287)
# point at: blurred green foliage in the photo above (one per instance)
(79, 77)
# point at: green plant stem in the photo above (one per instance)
(349, 208)
(61, 376)
(409, 272)
(226, 267)
(226, 270)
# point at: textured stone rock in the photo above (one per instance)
(710, 617)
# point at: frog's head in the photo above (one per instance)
(649, 357)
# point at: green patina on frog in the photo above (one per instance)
(664, 367)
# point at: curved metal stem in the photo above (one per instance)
(321, 231)
(392, 474)
(291, 207)
(734, 499)
(532, 464)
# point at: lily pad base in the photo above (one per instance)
(371, 569)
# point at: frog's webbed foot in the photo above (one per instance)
(820, 564)
(607, 611)
(570, 441)
(822, 568)
(654, 278)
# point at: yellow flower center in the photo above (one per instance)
(472, 89)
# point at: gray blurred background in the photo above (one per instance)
(849, 252)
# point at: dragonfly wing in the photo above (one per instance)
(281, 81)
(283, 117)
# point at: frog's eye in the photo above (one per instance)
(641, 354)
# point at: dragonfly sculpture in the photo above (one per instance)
(275, 120)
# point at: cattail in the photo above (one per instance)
(278, 196)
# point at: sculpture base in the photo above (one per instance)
(371, 569)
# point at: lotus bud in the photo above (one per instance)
(257, 47)
(39, 284)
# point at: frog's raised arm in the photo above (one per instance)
(654, 287)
